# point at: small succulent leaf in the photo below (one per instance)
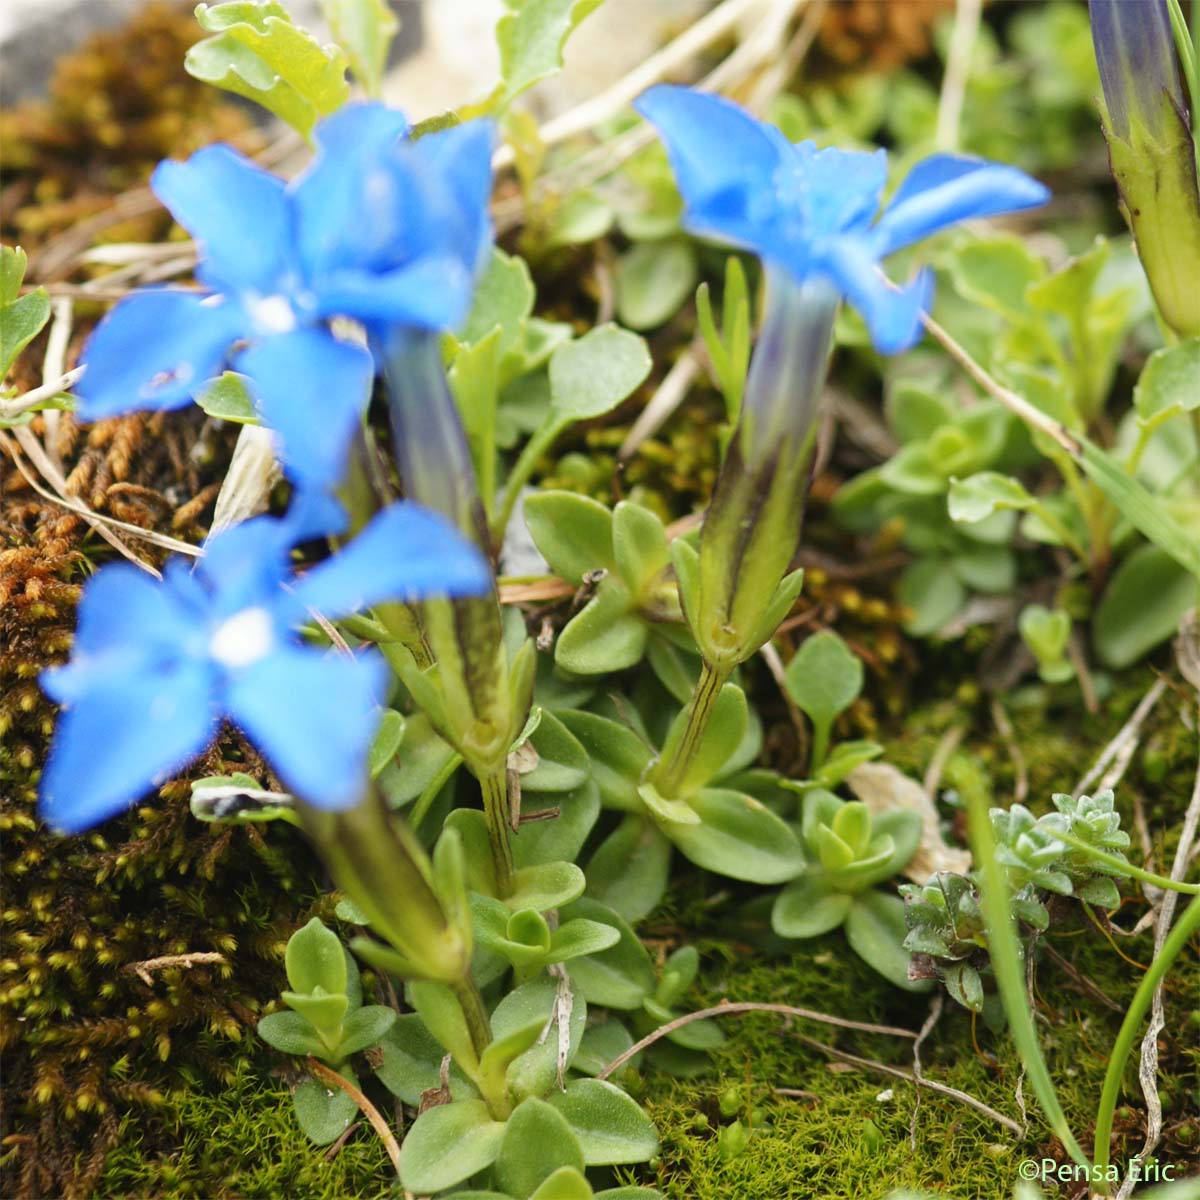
(739, 837)
(852, 823)
(781, 604)
(685, 558)
(602, 1043)
(386, 743)
(1100, 891)
(565, 1184)
(257, 52)
(678, 974)
(364, 29)
(618, 757)
(471, 827)
(666, 811)
(844, 758)
(529, 928)
(503, 300)
(290, 1033)
(559, 838)
(725, 731)
(562, 763)
(227, 398)
(606, 635)
(703, 1035)
(804, 909)
(365, 1027)
(1168, 384)
(639, 546)
(619, 975)
(932, 593)
(610, 1125)
(546, 886)
(447, 1144)
(498, 1057)
(824, 677)
(1142, 606)
(577, 938)
(593, 374)
(676, 668)
(383, 958)
(876, 930)
(574, 533)
(314, 958)
(323, 1113)
(531, 37)
(653, 280)
(324, 1013)
(628, 871)
(436, 1006)
(22, 318)
(534, 1072)
(980, 495)
(964, 985)
(411, 1062)
(537, 1143)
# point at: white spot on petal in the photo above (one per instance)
(244, 638)
(273, 314)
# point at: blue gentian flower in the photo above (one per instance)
(157, 665)
(381, 229)
(811, 212)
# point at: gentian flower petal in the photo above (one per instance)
(312, 390)
(311, 714)
(893, 315)
(240, 215)
(154, 351)
(242, 566)
(947, 188)
(732, 170)
(840, 189)
(431, 293)
(349, 204)
(132, 728)
(407, 553)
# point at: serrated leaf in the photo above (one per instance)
(257, 52)
(364, 29)
(593, 374)
(531, 38)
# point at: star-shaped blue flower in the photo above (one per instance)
(381, 229)
(812, 211)
(157, 665)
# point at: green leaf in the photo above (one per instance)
(443, 1017)
(534, 1072)
(474, 378)
(560, 838)
(537, 1142)
(876, 930)
(562, 763)
(639, 547)
(324, 1013)
(824, 678)
(386, 743)
(565, 1184)
(364, 29)
(844, 758)
(315, 959)
(678, 974)
(1169, 383)
(411, 1062)
(932, 593)
(503, 1051)
(610, 1126)
(573, 533)
(1141, 607)
(22, 318)
(593, 374)
(653, 281)
(545, 886)
(323, 1113)
(577, 938)
(581, 217)
(503, 300)
(603, 1042)
(448, 1144)
(1046, 632)
(227, 398)
(290, 1033)
(238, 797)
(1146, 512)
(618, 757)
(620, 975)
(964, 985)
(365, 1027)
(604, 636)
(739, 837)
(804, 909)
(978, 496)
(996, 272)
(531, 38)
(257, 52)
(628, 871)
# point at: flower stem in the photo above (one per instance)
(1126, 868)
(1185, 927)
(673, 767)
(494, 784)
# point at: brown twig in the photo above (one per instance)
(142, 969)
(899, 1073)
(331, 1078)
(748, 1006)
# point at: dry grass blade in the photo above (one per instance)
(333, 1079)
(899, 1073)
(750, 1006)
(1127, 733)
